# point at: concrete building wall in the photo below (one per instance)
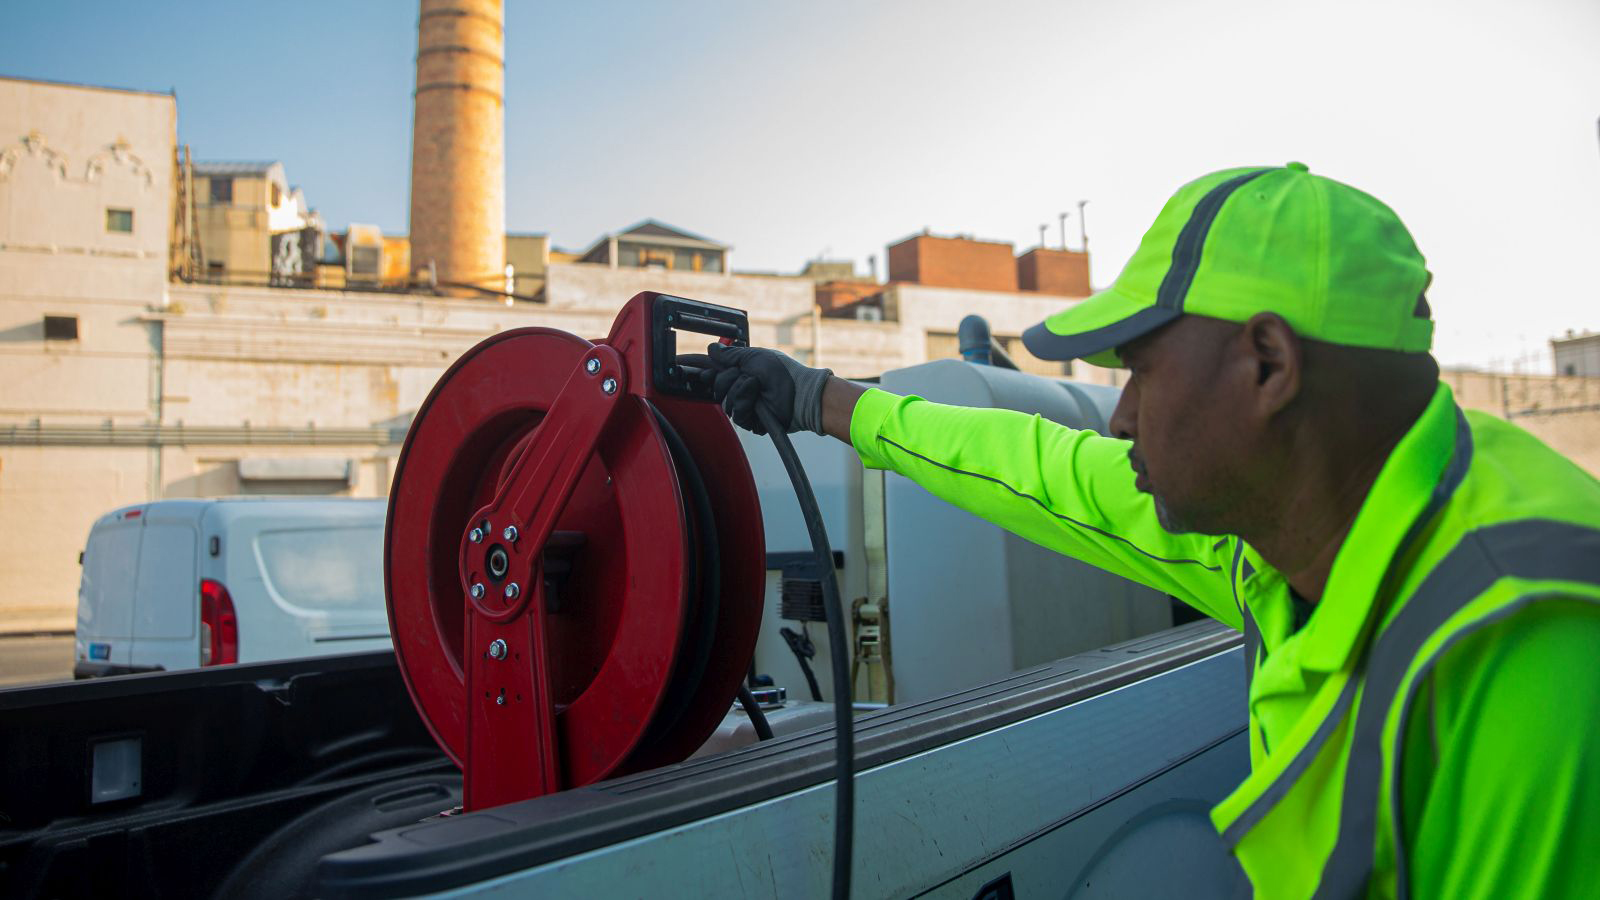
(1577, 354)
(67, 154)
(1562, 411)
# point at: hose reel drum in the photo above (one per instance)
(574, 558)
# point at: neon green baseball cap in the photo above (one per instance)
(1334, 262)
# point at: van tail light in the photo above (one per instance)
(219, 627)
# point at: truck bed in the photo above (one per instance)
(316, 778)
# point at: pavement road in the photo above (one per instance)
(35, 659)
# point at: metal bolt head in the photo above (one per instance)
(510, 533)
(512, 591)
(500, 700)
(475, 535)
(592, 366)
(477, 592)
(609, 385)
(497, 649)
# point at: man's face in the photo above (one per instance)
(1181, 410)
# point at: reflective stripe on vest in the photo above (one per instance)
(1455, 472)
(1533, 549)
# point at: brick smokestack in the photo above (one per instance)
(458, 169)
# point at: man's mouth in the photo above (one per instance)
(1141, 481)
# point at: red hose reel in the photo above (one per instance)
(574, 558)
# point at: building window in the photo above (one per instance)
(628, 256)
(711, 262)
(683, 260)
(215, 269)
(60, 328)
(277, 195)
(222, 190)
(119, 220)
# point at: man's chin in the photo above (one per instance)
(1168, 520)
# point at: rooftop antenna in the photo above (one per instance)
(1064, 230)
(1083, 225)
(1042, 230)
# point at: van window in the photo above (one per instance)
(324, 568)
(169, 591)
(109, 566)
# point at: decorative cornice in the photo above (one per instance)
(37, 146)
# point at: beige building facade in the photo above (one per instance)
(86, 186)
(119, 386)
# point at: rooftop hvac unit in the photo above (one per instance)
(866, 313)
(363, 253)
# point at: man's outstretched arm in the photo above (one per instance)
(1069, 490)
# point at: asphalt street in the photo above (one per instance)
(30, 659)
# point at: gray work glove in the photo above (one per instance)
(742, 376)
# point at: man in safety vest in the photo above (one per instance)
(1419, 588)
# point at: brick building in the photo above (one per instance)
(1062, 272)
(954, 262)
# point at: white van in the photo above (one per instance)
(179, 584)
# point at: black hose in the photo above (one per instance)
(758, 719)
(800, 646)
(700, 631)
(844, 752)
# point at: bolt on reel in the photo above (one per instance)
(574, 557)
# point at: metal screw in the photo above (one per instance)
(592, 366)
(510, 533)
(497, 649)
(475, 535)
(512, 590)
(609, 385)
(500, 700)
(477, 592)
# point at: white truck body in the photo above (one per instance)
(303, 577)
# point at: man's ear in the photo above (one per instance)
(1278, 356)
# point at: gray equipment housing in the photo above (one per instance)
(968, 601)
(971, 602)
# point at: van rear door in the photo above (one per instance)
(166, 611)
(105, 593)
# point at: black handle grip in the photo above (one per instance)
(668, 316)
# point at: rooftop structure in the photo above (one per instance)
(653, 244)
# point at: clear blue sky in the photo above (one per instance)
(796, 129)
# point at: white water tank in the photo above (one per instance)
(969, 602)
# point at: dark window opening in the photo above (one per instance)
(222, 190)
(215, 269)
(119, 220)
(60, 328)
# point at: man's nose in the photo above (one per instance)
(1124, 419)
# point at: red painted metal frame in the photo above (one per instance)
(519, 432)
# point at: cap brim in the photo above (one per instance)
(1095, 328)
